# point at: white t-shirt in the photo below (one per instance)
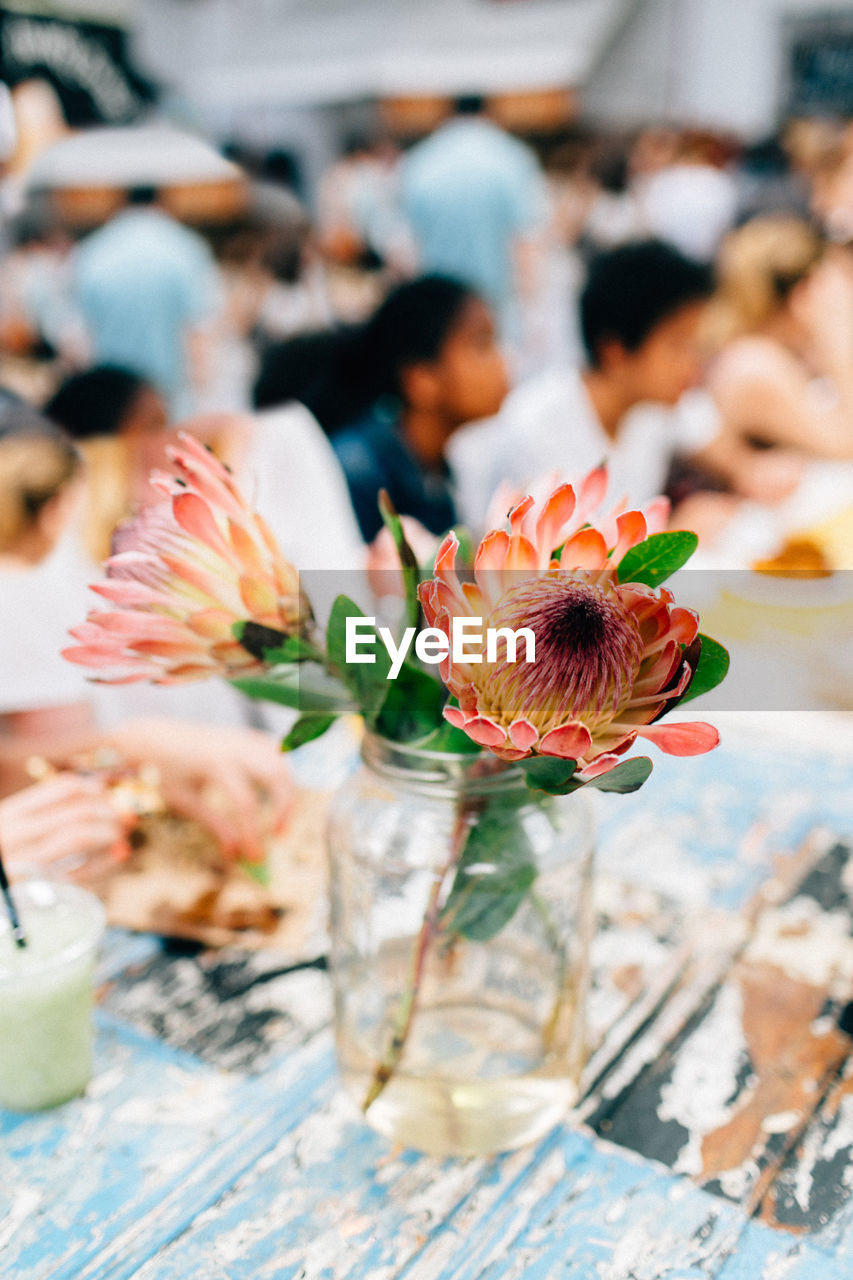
(295, 481)
(548, 425)
(37, 606)
(293, 478)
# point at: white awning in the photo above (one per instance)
(337, 50)
(135, 155)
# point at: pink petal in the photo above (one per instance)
(445, 557)
(555, 515)
(167, 649)
(630, 530)
(585, 550)
(592, 492)
(492, 551)
(211, 624)
(683, 624)
(196, 518)
(692, 739)
(246, 549)
(485, 732)
(258, 596)
(209, 586)
(571, 741)
(467, 697)
(91, 655)
(429, 603)
(454, 716)
(126, 592)
(130, 624)
(521, 554)
(518, 514)
(204, 470)
(473, 597)
(523, 734)
(601, 764)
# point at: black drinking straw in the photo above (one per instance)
(17, 931)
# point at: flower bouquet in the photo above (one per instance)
(461, 853)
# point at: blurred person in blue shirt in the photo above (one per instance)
(147, 287)
(476, 199)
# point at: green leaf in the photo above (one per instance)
(492, 879)
(651, 562)
(712, 668)
(549, 773)
(367, 681)
(257, 871)
(626, 777)
(492, 903)
(306, 729)
(450, 739)
(305, 688)
(408, 559)
(412, 706)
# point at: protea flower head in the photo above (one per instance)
(610, 657)
(185, 570)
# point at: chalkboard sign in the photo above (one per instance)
(821, 70)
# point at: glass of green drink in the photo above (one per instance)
(46, 995)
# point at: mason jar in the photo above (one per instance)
(461, 917)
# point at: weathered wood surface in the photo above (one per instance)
(215, 1144)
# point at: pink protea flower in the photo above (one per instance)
(184, 571)
(609, 656)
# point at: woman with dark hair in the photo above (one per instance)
(427, 362)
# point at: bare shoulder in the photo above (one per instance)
(754, 361)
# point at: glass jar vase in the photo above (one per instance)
(461, 918)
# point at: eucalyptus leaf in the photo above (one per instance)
(653, 561)
(307, 688)
(407, 557)
(367, 681)
(412, 705)
(306, 729)
(549, 773)
(493, 877)
(712, 667)
(492, 902)
(625, 777)
(450, 739)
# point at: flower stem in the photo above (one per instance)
(408, 1004)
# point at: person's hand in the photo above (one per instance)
(769, 476)
(707, 514)
(64, 817)
(233, 781)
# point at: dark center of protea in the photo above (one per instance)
(588, 653)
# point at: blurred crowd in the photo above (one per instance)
(459, 323)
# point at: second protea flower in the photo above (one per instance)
(185, 570)
(610, 657)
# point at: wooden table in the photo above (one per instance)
(713, 1139)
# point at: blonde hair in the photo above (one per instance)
(36, 463)
(758, 266)
(108, 500)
